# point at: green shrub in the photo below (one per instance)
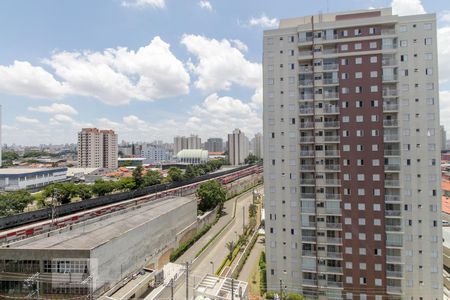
(185, 246)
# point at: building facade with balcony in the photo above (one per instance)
(352, 155)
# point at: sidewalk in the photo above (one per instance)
(252, 260)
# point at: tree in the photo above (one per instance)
(251, 159)
(211, 194)
(9, 156)
(152, 177)
(190, 172)
(125, 184)
(230, 247)
(61, 192)
(101, 187)
(137, 177)
(175, 174)
(12, 203)
(84, 191)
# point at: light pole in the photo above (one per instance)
(212, 267)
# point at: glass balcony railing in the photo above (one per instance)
(390, 93)
(393, 123)
(330, 67)
(392, 198)
(388, 62)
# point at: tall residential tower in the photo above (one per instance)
(97, 149)
(351, 156)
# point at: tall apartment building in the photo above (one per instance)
(214, 145)
(182, 142)
(351, 166)
(1, 145)
(237, 147)
(97, 148)
(155, 153)
(257, 145)
(443, 138)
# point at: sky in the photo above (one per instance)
(153, 69)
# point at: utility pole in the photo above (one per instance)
(243, 219)
(171, 289)
(232, 288)
(187, 280)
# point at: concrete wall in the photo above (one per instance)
(141, 246)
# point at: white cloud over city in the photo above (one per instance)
(144, 3)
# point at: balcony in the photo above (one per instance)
(305, 69)
(307, 181)
(393, 259)
(332, 167)
(392, 183)
(334, 269)
(331, 138)
(391, 152)
(388, 62)
(306, 97)
(334, 240)
(389, 78)
(334, 225)
(305, 82)
(330, 67)
(390, 93)
(388, 31)
(306, 110)
(306, 139)
(307, 209)
(392, 198)
(393, 213)
(303, 54)
(390, 107)
(308, 253)
(391, 289)
(330, 81)
(330, 96)
(336, 255)
(309, 282)
(307, 153)
(394, 243)
(334, 284)
(390, 123)
(308, 196)
(331, 124)
(307, 167)
(391, 138)
(310, 224)
(307, 125)
(394, 228)
(394, 274)
(332, 182)
(331, 110)
(308, 238)
(392, 167)
(305, 39)
(329, 153)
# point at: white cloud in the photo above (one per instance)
(205, 5)
(220, 64)
(55, 108)
(407, 7)
(26, 120)
(144, 3)
(240, 45)
(23, 79)
(114, 76)
(133, 121)
(263, 21)
(63, 119)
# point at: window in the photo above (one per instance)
(428, 41)
(404, 72)
(344, 47)
(270, 81)
(346, 148)
(360, 162)
(362, 236)
(373, 74)
(357, 32)
(344, 33)
(359, 148)
(375, 147)
(345, 90)
(358, 104)
(428, 71)
(373, 59)
(371, 30)
(375, 162)
(344, 76)
(345, 119)
(363, 266)
(403, 43)
(374, 103)
(358, 75)
(360, 177)
(361, 206)
(359, 119)
(427, 26)
(428, 56)
(359, 133)
(344, 61)
(358, 46)
(358, 89)
(348, 265)
(376, 207)
(430, 86)
(373, 45)
(404, 57)
(374, 118)
(358, 60)
(403, 28)
(376, 177)
(374, 88)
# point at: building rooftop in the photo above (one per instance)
(24, 171)
(446, 236)
(131, 158)
(87, 236)
(193, 153)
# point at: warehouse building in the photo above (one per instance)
(13, 179)
(93, 256)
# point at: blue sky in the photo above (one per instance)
(150, 69)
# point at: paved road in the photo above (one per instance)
(217, 251)
(252, 260)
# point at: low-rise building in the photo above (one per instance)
(220, 288)
(192, 156)
(131, 161)
(14, 179)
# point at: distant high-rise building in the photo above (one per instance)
(194, 142)
(214, 145)
(443, 138)
(257, 145)
(237, 147)
(1, 145)
(352, 156)
(179, 143)
(97, 148)
(155, 153)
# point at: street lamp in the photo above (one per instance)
(212, 267)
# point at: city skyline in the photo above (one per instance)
(211, 96)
